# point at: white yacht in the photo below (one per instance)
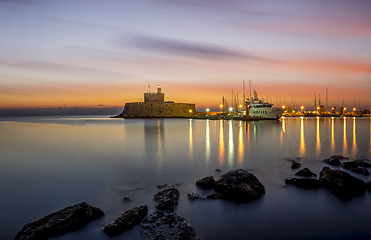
(258, 108)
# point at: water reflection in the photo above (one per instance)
(318, 137)
(221, 142)
(154, 133)
(302, 142)
(207, 150)
(230, 145)
(332, 136)
(240, 145)
(345, 135)
(190, 140)
(354, 136)
(283, 124)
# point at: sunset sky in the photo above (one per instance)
(96, 53)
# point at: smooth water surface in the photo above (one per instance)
(48, 163)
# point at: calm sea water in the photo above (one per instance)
(48, 163)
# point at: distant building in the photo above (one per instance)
(155, 106)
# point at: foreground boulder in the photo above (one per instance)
(334, 160)
(166, 199)
(58, 223)
(167, 226)
(239, 185)
(206, 182)
(356, 163)
(295, 165)
(126, 221)
(342, 182)
(363, 171)
(307, 183)
(305, 172)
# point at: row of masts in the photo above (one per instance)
(233, 101)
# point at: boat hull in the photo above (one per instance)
(267, 113)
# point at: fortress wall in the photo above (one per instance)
(159, 109)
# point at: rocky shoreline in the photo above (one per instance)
(237, 185)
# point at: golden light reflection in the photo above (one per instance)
(207, 151)
(230, 144)
(283, 124)
(345, 134)
(240, 145)
(159, 147)
(354, 136)
(332, 135)
(190, 139)
(318, 145)
(302, 143)
(221, 142)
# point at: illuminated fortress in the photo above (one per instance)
(154, 105)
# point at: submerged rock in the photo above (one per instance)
(126, 221)
(349, 164)
(342, 182)
(58, 223)
(206, 182)
(239, 185)
(305, 172)
(167, 226)
(363, 171)
(363, 163)
(166, 199)
(196, 196)
(295, 165)
(356, 163)
(334, 160)
(305, 182)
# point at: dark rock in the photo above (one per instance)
(166, 199)
(305, 172)
(305, 182)
(239, 185)
(368, 185)
(218, 170)
(340, 157)
(195, 196)
(126, 221)
(349, 164)
(356, 163)
(167, 226)
(341, 182)
(216, 196)
(58, 223)
(295, 165)
(363, 163)
(206, 182)
(363, 171)
(332, 161)
(127, 199)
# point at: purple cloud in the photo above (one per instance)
(189, 49)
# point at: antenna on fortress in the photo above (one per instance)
(149, 88)
(158, 89)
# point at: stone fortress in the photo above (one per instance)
(155, 106)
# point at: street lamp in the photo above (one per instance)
(302, 108)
